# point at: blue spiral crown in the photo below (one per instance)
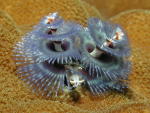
(58, 55)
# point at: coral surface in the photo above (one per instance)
(29, 12)
(109, 8)
(16, 98)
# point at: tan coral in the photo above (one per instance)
(15, 97)
(109, 8)
(8, 35)
(138, 25)
(30, 11)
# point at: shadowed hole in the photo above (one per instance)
(58, 46)
(90, 47)
(105, 58)
(51, 31)
(55, 68)
(86, 75)
(65, 45)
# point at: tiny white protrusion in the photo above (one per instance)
(76, 80)
(96, 52)
(51, 17)
(119, 34)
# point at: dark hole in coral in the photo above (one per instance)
(90, 47)
(106, 58)
(75, 96)
(58, 46)
(55, 68)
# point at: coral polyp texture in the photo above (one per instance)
(59, 55)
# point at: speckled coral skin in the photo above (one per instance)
(140, 39)
(17, 98)
(109, 8)
(29, 12)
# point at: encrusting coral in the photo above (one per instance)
(140, 46)
(14, 97)
(7, 29)
(29, 12)
(109, 8)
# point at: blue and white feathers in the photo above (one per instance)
(59, 54)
